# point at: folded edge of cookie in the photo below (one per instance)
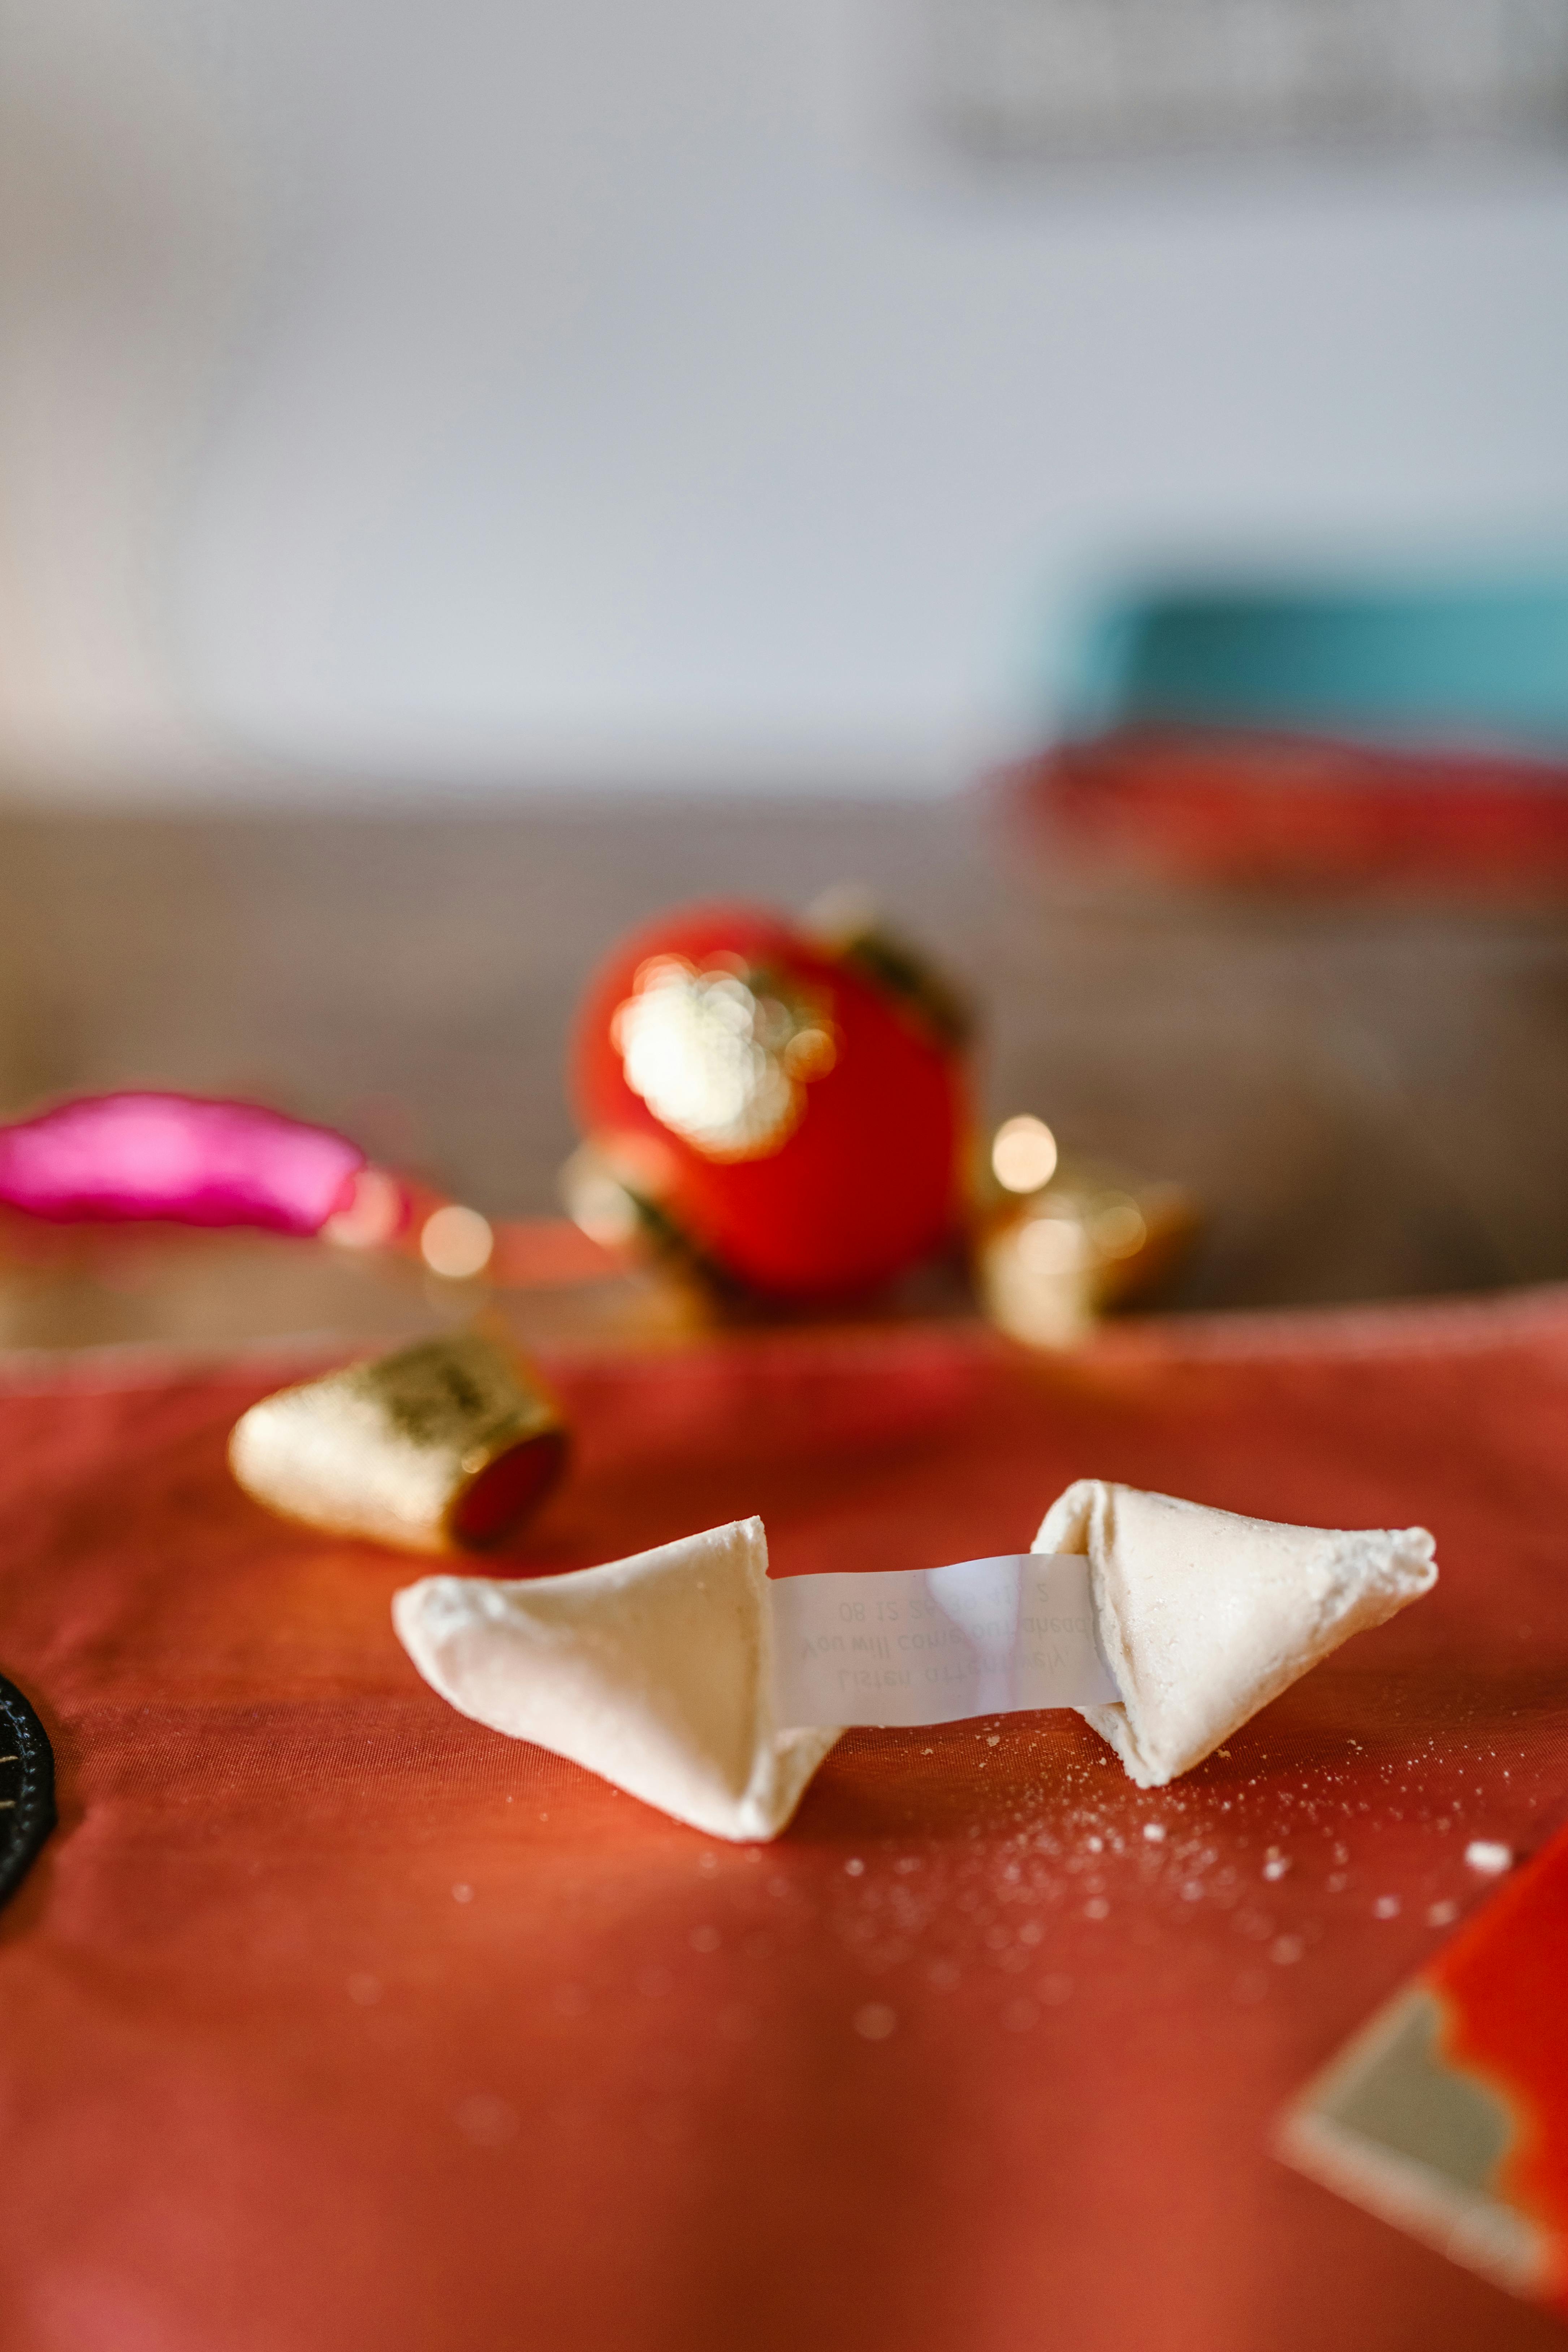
(1205, 1616)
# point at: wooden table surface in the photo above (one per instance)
(1371, 1097)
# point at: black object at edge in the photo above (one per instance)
(26, 1788)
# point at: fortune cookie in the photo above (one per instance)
(655, 1672)
(1205, 1616)
(658, 1671)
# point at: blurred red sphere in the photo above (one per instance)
(794, 1115)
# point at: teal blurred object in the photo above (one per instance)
(1484, 664)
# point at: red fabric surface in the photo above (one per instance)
(329, 2019)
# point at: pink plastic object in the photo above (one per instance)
(173, 1157)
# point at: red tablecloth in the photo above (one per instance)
(331, 2020)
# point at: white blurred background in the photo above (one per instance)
(501, 392)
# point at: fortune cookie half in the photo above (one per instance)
(655, 1672)
(1204, 1616)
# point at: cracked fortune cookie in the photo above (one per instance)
(658, 1671)
(1205, 1616)
(655, 1672)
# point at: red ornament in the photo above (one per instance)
(797, 1113)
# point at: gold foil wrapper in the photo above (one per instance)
(1050, 1265)
(436, 1448)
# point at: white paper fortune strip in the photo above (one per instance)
(935, 1644)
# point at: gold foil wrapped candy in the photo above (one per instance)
(441, 1447)
(1058, 1245)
